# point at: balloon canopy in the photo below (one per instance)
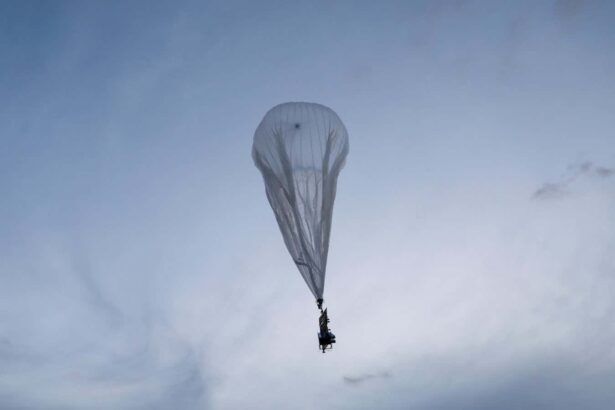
(300, 149)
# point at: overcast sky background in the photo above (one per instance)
(472, 260)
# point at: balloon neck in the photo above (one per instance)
(319, 303)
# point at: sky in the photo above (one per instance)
(471, 263)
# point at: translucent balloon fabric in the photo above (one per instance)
(300, 149)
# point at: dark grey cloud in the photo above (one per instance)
(550, 191)
(591, 169)
(559, 189)
(604, 172)
(355, 380)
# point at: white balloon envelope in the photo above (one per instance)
(300, 149)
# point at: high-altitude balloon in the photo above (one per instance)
(300, 149)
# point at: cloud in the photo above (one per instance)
(604, 172)
(141, 372)
(560, 189)
(80, 344)
(550, 191)
(588, 168)
(355, 380)
(182, 295)
(546, 384)
(489, 378)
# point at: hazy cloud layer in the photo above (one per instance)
(141, 266)
(66, 345)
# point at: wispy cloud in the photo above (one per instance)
(604, 172)
(140, 263)
(550, 191)
(562, 188)
(355, 380)
(65, 329)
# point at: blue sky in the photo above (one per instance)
(471, 262)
